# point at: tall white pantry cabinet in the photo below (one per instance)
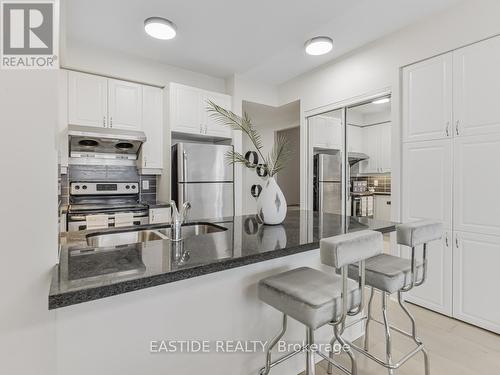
(451, 173)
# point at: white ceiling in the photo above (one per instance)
(261, 39)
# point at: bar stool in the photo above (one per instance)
(390, 274)
(316, 298)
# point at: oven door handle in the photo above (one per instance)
(110, 217)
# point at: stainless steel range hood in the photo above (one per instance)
(356, 157)
(94, 144)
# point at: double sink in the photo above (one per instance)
(127, 237)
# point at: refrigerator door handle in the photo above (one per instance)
(184, 175)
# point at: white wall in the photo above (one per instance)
(242, 89)
(267, 120)
(375, 67)
(28, 160)
(99, 61)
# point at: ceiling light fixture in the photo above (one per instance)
(381, 101)
(160, 28)
(319, 45)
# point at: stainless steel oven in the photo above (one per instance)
(109, 198)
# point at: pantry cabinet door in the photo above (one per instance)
(476, 86)
(87, 99)
(476, 187)
(476, 279)
(427, 99)
(427, 181)
(125, 105)
(385, 147)
(152, 125)
(436, 293)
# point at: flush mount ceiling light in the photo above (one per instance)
(319, 45)
(381, 101)
(160, 28)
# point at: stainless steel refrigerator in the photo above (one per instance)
(202, 176)
(328, 183)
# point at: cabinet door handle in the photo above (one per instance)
(457, 130)
(456, 241)
(446, 239)
(447, 128)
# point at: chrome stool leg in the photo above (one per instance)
(414, 332)
(368, 318)
(272, 344)
(329, 369)
(310, 363)
(350, 353)
(388, 340)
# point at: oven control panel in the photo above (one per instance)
(103, 188)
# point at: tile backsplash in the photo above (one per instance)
(383, 182)
(108, 173)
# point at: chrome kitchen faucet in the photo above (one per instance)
(178, 218)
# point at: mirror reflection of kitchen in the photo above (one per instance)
(326, 136)
(369, 137)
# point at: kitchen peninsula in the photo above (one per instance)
(157, 290)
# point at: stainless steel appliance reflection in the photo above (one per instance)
(328, 183)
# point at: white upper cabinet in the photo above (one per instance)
(436, 293)
(326, 132)
(212, 127)
(188, 111)
(370, 135)
(376, 141)
(87, 99)
(427, 99)
(427, 181)
(476, 206)
(185, 111)
(476, 279)
(152, 124)
(385, 147)
(476, 71)
(125, 105)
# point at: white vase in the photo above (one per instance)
(271, 204)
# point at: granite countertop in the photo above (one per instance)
(87, 273)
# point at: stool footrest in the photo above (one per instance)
(333, 363)
(395, 366)
(282, 359)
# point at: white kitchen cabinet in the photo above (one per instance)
(185, 114)
(125, 105)
(382, 209)
(326, 132)
(436, 292)
(385, 148)
(212, 127)
(476, 203)
(159, 215)
(151, 157)
(427, 189)
(371, 148)
(62, 121)
(87, 99)
(354, 138)
(188, 111)
(376, 141)
(476, 84)
(476, 279)
(427, 99)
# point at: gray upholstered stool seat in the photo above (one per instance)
(310, 296)
(387, 273)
